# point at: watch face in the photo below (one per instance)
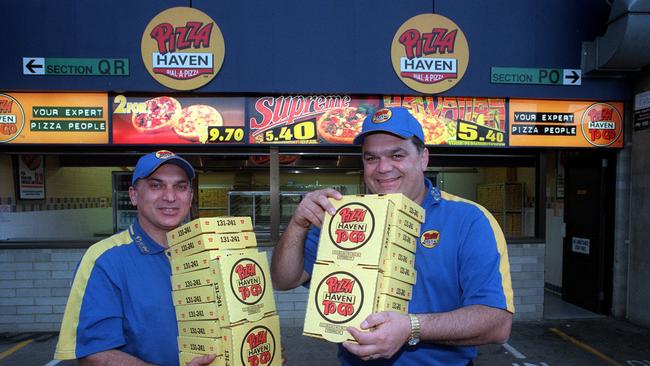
(414, 341)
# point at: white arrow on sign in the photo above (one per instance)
(572, 77)
(33, 66)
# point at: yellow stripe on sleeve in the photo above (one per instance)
(67, 344)
(502, 248)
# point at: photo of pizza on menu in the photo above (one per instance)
(308, 119)
(176, 120)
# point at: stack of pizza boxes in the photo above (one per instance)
(222, 293)
(364, 264)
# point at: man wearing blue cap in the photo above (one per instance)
(120, 309)
(463, 293)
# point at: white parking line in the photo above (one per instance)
(53, 362)
(513, 351)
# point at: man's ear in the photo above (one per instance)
(424, 159)
(133, 195)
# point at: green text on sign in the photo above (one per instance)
(519, 75)
(87, 66)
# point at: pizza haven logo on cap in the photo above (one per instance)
(182, 48)
(247, 281)
(430, 53)
(430, 238)
(258, 347)
(164, 154)
(339, 297)
(601, 124)
(12, 118)
(382, 115)
(351, 226)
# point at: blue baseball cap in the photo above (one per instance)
(152, 161)
(395, 120)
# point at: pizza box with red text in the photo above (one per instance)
(358, 232)
(243, 289)
(253, 343)
(344, 296)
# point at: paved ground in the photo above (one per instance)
(588, 342)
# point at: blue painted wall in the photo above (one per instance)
(293, 46)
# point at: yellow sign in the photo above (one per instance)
(53, 118)
(565, 123)
(430, 53)
(182, 48)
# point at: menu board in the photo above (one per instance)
(565, 123)
(455, 120)
(313, 119)
(173, 120)
(164, 120)
(53, 118)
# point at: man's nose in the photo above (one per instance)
(385, 165)
(169, 194)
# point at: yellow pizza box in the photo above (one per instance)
(391, 303)
(397, 254)
(199, 260)
(200, 328)
(357, 231)
(339, 297)
(405, 222)
(212, 241)
(394, 288)
(402, 238)
(201, 346)
(406, 205)
(398, 270)
(202, 277)
(219, 225)
(185, 358)
(243, 289)
(194, 295)
(205, 311)
(253, 343)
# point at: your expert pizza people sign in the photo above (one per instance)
(429, 53)
(182, 48)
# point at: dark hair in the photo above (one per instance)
(419, 145)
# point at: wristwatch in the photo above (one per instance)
(415, 330)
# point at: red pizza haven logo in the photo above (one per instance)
(430, 53)
(182, 48)
(182, 65)
(351, 226)
(247, 281)
(424, 69)
(382, 115)
(164, 154)
(258, 347)
(339, 297)
(430, 238)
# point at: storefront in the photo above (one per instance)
(276, 111)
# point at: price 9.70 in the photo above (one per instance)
(225, 134)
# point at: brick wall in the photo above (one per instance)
(34, 287)
(527, 271)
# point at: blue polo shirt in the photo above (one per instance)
(461, 259)
(121, 299)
